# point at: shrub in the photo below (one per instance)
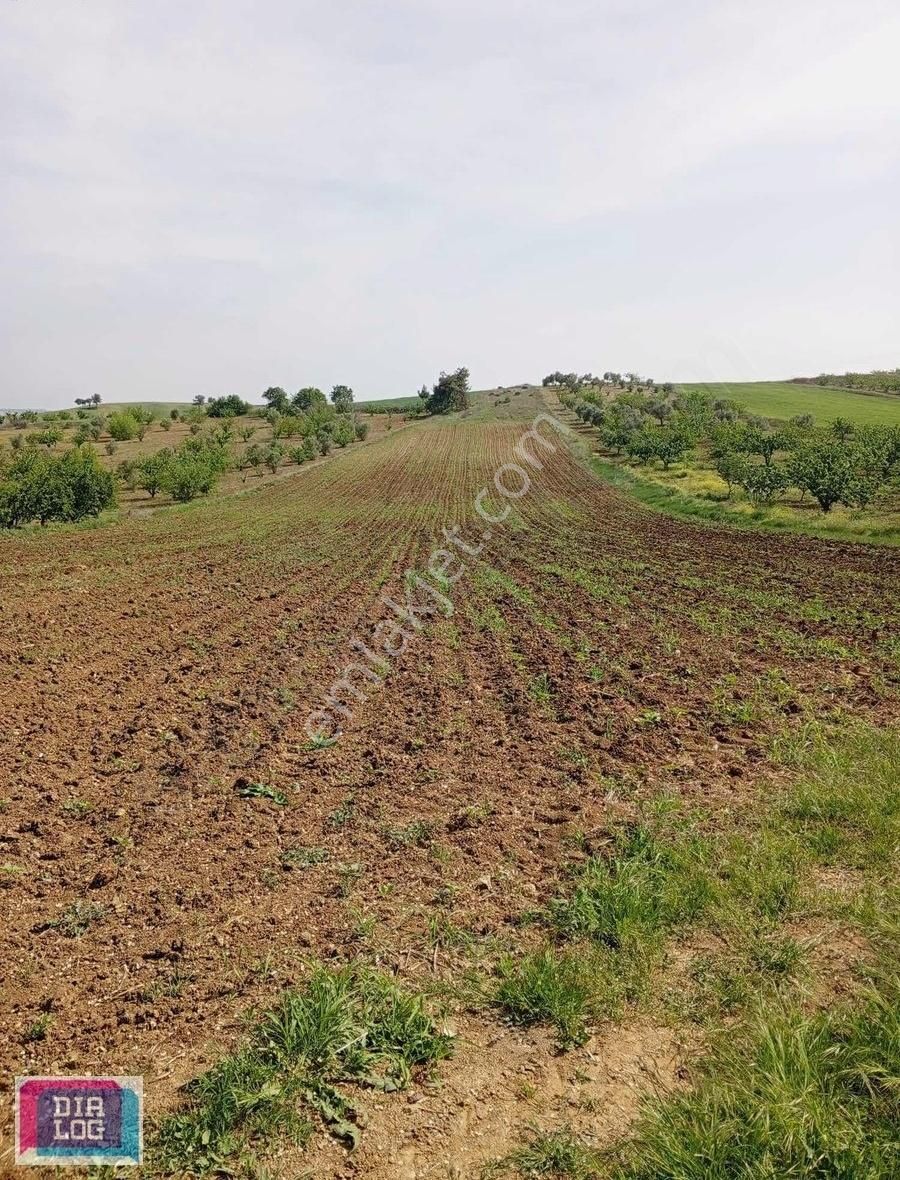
(231, 406)
(151, 472)
(361, 430)
(44, 438)
(127, 471)
(273, 457)
(344, 432)
(194, 469)
(122, 426)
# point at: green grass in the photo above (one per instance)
(845, 808)
(351, 1026)
(158, 408)
(788, 1094)
(558, 1155)
(785, 1088)
(663, 497)
(783, 400)
(648, 884)
(567, 989)
(381, 405)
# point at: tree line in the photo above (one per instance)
(840, 463)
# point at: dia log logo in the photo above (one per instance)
(79, 1121)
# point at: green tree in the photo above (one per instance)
(450, 393)
(152, 472)
(308, 398)
(732, 467)
(344, 432)
(764, 482)
(276, 399)
(231, 406)
(273, 456)
(122, 426)
(342, 398)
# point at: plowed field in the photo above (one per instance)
(157, 672)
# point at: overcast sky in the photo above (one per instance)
(214, 196)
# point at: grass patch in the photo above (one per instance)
(647, 885)
(78, 918)
(247, 790)
(559, 1155)
(564, 988)
(787, 1095)
(845, 808)
(302, 858)
(347, 1026)
(782, 400)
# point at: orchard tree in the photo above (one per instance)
(309, 398)
(276, 399)
(824, 468)
(732, 467)
(231, 406)
(342, 398)
(764, 482)
(152, 472)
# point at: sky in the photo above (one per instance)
(222, 195)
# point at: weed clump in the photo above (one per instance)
(348, 1026)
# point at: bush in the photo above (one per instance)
(152, 472)
(44, 438)
(344, 432)
(273, 456)
(231, 406)
(194, 469)
(122, 426)
(362, 430)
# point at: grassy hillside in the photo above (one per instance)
(382, 405)
(783, 399)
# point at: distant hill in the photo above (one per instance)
(785, 399)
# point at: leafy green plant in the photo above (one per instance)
(351, 1026)
(262, 791)
(563, 988)
(78, 918)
